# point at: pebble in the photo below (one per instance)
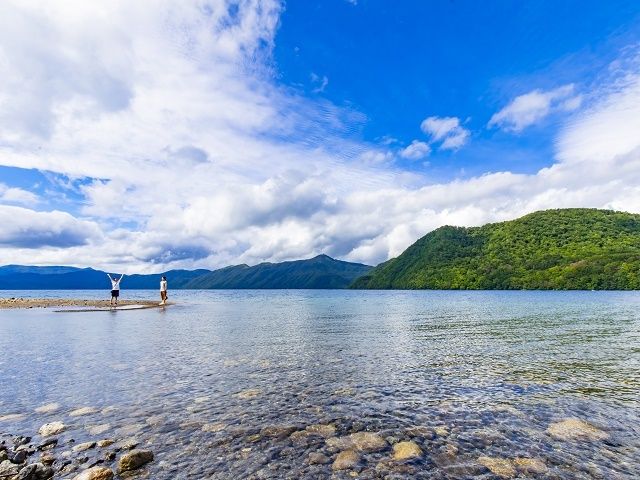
(83, 411)
(81, 447)
(105, 443)
(95, 473)
(346, 460)
(52, 428)
(134, 460)
(48, 408)
(248, 394)
(98, 429)
(368, 441)
(214, 427)
(12, 417)
(530, 465)
(575, 429)
(501, 467)
(406, 451)
(316, 458)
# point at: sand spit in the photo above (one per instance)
(19, 302)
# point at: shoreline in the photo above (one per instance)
(26, 303)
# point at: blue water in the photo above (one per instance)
(483, 373)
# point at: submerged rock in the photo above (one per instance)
(501, 467)
(134, 460)
(368, 441)
(316, 458)
(98, 429)
(52, 428)
(48, 408)
(83, 411)
(248, 394)
(278, 431)
(214, 427)
(406, 451)
(346, 460)
(530, 465)
(325, 431)
(95, 473)
(575, 429)
(81, 447)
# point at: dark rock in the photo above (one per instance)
(19, 457)
(47, 444)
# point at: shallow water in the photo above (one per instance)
(483, 373)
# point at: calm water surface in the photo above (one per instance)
(481, 374)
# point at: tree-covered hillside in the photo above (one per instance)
(573, 248)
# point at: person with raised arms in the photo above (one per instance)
(115, 289)
(163, 291)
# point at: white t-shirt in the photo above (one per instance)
(115, 284)
(163, 285)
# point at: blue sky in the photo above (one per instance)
(204, 133)
(397, 62)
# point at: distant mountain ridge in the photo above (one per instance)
(316, 273)
(575, 248)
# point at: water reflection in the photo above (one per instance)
(228, 384)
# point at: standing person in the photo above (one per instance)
(115, 289)
(163, 290)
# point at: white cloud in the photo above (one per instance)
(530, 108)
(416, 151)
(17, 196)
(320, 82)
(447, 130)
(195, 157)
(25, 229)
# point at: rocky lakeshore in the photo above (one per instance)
(162, 447)
(25, 302)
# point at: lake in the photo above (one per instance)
(274, 384)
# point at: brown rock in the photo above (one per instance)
(575, 429)
(368, 441)
(501, 467)
(530, 465)
(316, 458)
(95, 473)
(406, 451)
(52, 428)
(134, 460)
(346, 460)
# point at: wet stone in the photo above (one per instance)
(7, 469)
(406, 451)
(575, 429)
(47, 444)
(53, 428)
(134, 460)
(98, 429)
(346, 460)
(95, 473)
(79, 412)
(501, 467)
(316, 458)
(278, 431)
(248, 394)
(214, 427)
(35, 471)
(81, 447)
(18, 457)
(105, 443)
(48, 408)
(530, 465)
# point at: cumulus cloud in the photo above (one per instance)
(24, 228)
(16, 195)
(530, 108)
(170, 123)
(416, 151)
(447, 130)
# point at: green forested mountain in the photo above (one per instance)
(318, 272)
(575, 248)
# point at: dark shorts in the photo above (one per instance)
(115, 293)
